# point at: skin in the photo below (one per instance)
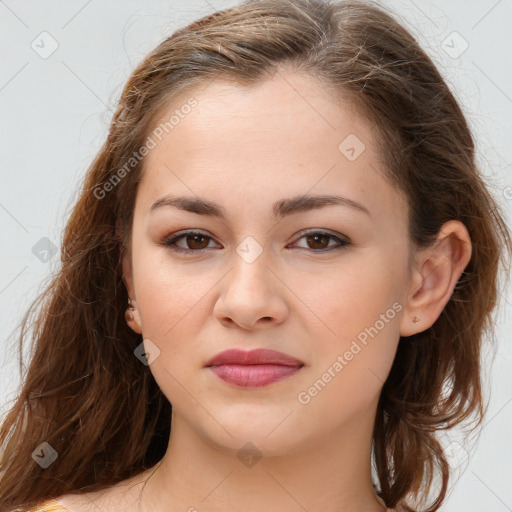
(245, 150)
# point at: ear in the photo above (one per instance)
(132, 314)
(438, 269)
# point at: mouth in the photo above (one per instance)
(255, 368)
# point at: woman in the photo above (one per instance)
(285, 237)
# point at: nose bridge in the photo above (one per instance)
(250, 262)
(250, 292)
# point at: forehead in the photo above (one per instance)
(285, 136)
(287, 115)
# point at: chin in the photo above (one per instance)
(263, 438)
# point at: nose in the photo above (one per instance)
(251, 296)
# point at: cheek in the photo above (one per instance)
(360, 310)
(172, 310)
(172, 315)
(351, 295)
(168, 291)
(351, 363)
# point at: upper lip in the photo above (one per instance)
(256, 356)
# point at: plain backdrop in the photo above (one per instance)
(63, 67)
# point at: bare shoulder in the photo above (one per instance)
(84, 502)
(120, 497)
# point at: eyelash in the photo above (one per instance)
(169, 242)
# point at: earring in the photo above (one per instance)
(129, 312)
(416, 319)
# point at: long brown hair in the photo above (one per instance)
(91, 399)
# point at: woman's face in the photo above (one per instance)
(268, 271)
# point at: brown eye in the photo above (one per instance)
(318, 241)
(196, 241)
(193, 242)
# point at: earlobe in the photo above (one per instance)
(439, 269)
(133, 318)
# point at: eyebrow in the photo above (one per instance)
(281, 208)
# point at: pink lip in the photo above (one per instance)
(254, 368)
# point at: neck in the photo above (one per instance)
(332, 474)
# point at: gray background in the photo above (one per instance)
(55, 114)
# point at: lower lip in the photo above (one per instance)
(254, 375)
